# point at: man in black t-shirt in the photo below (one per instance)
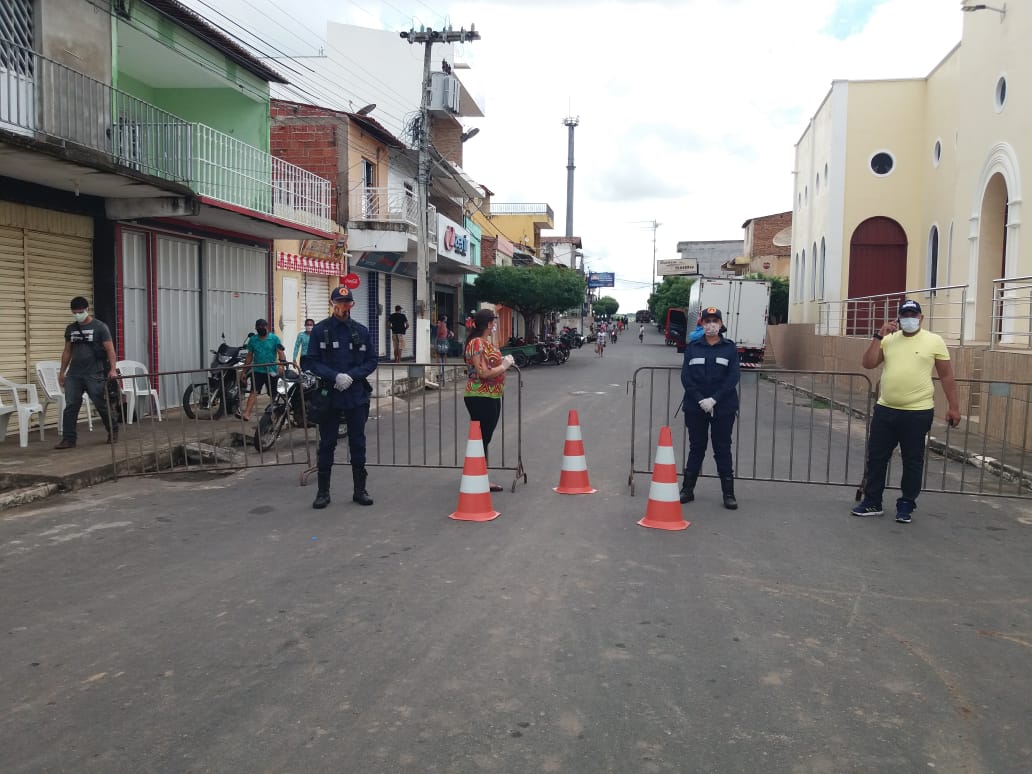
(87, 363)
(399, 326)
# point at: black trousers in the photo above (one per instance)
(486, 411)
(701, 427)
(356, 420)
(94, 385)
(890, 427)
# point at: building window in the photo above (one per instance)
(813, 273)
(1001, 93)
(933, 257)
(825, 174)
(937, 153)
(820, 279)
(882, 163)
(949, 255)
(817, 184)
(801, 278)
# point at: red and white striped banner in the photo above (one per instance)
(292, 262)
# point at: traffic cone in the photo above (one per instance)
(664, 508)
(574, 476)
(474, 489)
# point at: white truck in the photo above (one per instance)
(744, 304)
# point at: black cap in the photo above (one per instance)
(909, 305)
(711, 311)
(341, 294)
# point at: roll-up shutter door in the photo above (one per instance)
(14, 342)
(360, 311)
(317, 296)
(180, 347)
(59, 267)
(236, 290)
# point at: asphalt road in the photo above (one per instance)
(201, 623)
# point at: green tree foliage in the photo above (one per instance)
(778, 310)
(531, 290)
(672, 293)
(605, 307)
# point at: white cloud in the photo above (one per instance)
(689, 109)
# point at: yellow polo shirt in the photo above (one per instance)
(906, 380)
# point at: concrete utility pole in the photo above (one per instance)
(652, 224)
(427, 37)
(571, 122)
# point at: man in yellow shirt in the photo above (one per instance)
(905, 408)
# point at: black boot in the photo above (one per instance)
(688, 487)
(727, 486)
(361, 496)
(322, 496)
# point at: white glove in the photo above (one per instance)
(707, 404)
(508, 362)
(342, 382)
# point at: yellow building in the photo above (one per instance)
(913, 187)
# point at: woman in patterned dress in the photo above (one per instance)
(485, 377)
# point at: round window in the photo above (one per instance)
(882, 163)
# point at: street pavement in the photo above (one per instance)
(198, 622)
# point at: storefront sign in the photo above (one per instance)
(452, 240)
(378, 261)
(325, 249)
(677, 266)
(352, 281)
(601, 279)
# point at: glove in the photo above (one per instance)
(707, 404)
(342, 382)
(508, 362)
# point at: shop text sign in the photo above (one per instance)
(452, 240)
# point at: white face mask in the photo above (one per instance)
(80, 316)
(711, 328)
(910, 324)
(494, 327)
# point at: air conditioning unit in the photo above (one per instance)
(444, 92)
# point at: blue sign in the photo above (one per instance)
(601, 279)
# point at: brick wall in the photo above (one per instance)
(445, 134)
(488, 249)
(313, 139)
(764, 230)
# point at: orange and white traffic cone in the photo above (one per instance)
(664, 508)
(574, 476)
(474, 489)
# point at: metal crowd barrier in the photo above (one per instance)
(812, 427)
(416, 428)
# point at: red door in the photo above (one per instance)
(877, 266)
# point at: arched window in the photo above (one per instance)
(813, 273)
(933, 257)
(823, 269)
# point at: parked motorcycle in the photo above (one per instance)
(222, 393)
(288, 409)
(571, 337)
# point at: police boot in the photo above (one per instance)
(322, 495)
(727, 486)
(361, 496)
(688, 487)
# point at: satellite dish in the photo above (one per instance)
(783, 238)
(367, 109)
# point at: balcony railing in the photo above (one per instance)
(943, 309)
(520, 208)
(385, 205)
(45, 100)
(1012, 313)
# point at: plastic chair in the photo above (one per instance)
(135, 382)
(46, 375)
(23, 409)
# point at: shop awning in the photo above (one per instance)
(293, 262)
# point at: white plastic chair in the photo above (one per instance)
(23, 409)
(46, 375)
(135, 382)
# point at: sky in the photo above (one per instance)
(689, 110)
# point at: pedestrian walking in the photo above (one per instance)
(442, 342)
(301, 343)
(87, 365)
(905, 409)
(641, 334)
(266, 357)
(485, 377)
(341, 354)
(399, 327)
(709, 374)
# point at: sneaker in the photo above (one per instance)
(868, 508)
(904, 509)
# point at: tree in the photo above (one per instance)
(605, 307)
(531, 290)
(674, 293)
(778, 310)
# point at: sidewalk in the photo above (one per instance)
(39, 470)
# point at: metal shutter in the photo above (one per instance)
(14, 342)
(317, 296)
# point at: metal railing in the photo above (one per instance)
(943, 309)
(43, 99)
(384, 205)
(520, 208)
(1012, 313)
(812, 427)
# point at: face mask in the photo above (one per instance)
(711, 328)
(308, 328)
(494, 327)
(262, 331)
(80, 316)
(909, 324)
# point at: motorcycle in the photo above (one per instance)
(222, 393)
(288, 408)
(571, 337)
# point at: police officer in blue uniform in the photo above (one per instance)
(710, 377)
(340, 352)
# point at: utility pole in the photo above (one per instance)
(652, 224)
(571, 122)
(427, 37)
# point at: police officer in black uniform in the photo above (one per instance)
(341, 354)
(710, 377)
